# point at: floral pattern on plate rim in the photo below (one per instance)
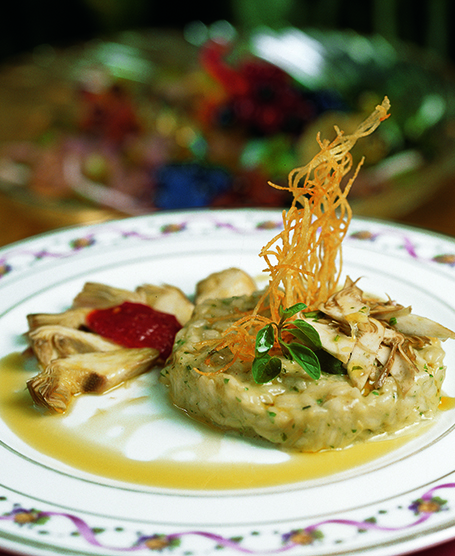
(417, 512)
(380, 236)
(375, 235)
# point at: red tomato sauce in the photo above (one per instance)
(135, 325)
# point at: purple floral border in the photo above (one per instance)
(407, 244)
(421, 510)
(20, 256)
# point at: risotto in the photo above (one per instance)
(293, 411)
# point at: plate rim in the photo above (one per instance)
(228, 213)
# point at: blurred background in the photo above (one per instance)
(111, 108)
(423, 22)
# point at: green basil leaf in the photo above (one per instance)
(312, 315)
(302, 337)
(306, 358)
(265, 368)
(284, 349)
(291, 311)
(305, 332)
(265, 339)
(330, 364)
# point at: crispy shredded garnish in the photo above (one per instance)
(239, 338)
(305, 260)
(305, 267)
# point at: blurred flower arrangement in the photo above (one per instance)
(157, 123)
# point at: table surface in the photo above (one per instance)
(438, 215)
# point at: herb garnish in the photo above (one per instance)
(266, 367)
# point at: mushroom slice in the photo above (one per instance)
(54, 342)
(413, 325)
(101, 296)
(227, 283)
(72, 318)
(98, 372)
(168, 299)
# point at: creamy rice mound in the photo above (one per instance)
(293, 411)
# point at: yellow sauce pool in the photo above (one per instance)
(93, 454)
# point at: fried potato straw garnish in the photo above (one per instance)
(305, 260)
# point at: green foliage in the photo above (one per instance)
(266, 367)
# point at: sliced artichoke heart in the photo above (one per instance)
(54, 342)
(83, 373)
(403, 372)
(363, 360)
(414, 325)
(347, 305)
(333, 341)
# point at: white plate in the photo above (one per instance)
(370, 510)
